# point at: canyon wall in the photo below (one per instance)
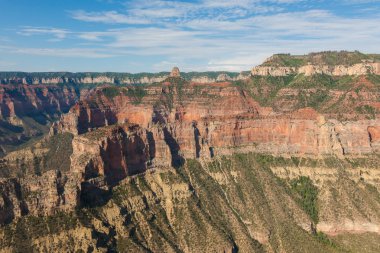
(201, 119)
(26, 111)
(118, 78)
(308, 70)
(156, 167)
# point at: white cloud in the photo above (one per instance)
(237, 63)
(108, 17)
(210, 35)
(158, 11)
(229, 45)
(56, 32)
(58, 52)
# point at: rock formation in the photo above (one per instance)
(27, 110)
(175, 72)
(308, 70)
(112, 78)
(329, 63)
(266, 164)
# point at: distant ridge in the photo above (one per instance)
(330, 58)
(113, 77)
(331, 63)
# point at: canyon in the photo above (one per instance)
(112, 78)
(285, 160)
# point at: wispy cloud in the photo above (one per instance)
(7, 64)
(58, 52)
(160, 12)
(208, 35)
(58, 33)
(108, 17)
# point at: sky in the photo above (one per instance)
(195, 35)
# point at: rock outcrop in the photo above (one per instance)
(175, 72)
(154, 168)
(308, 70)
(199, 124)
(26, 111)
(112, 78)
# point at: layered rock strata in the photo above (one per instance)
(154, 158)
(126, 79)
(308, 70)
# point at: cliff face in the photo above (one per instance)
(112, 78)
(264, 165)
(23, 100)
(27, 110)
(202, 122)
(331, 63)
(308, 70)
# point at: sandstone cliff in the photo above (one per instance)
(264, 165)
(26, 111)
(308, 70)
(333, 63)
(112, 78)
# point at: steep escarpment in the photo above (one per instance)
(243, 203)
(268, 164)
(27, 111)
(200, 120)
(330, 63)
(112, 78)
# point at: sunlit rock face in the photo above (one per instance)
(180, 157)
(175, 72)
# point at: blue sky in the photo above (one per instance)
(199, 35)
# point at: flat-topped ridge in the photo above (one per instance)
(330, 63)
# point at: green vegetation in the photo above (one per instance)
(285, 60)
(176, 87)
(308, 194)
(264, 89)
(57, 157)
(175, 208)
(375, 79)
(209, 74)
(330, 58)
(21, 233)
(60, 150)
(323, 238)
(313, 99)
(314, 81)
(326, 94)
(73, 79)
(137, 93)
(366, 109)
(111, 92)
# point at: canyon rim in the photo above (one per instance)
(190, 126)
(284, 158)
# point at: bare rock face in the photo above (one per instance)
(175, 72)
(163, 146)
(27, 110)
(192, 125)
(38, 195)
(115, 152)
(21, 100)
(272, 71)
(308, 70)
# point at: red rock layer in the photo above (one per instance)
(21, 100)
(195, 120)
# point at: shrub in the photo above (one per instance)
(137, 94)
(308, 194)
(111, 92)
